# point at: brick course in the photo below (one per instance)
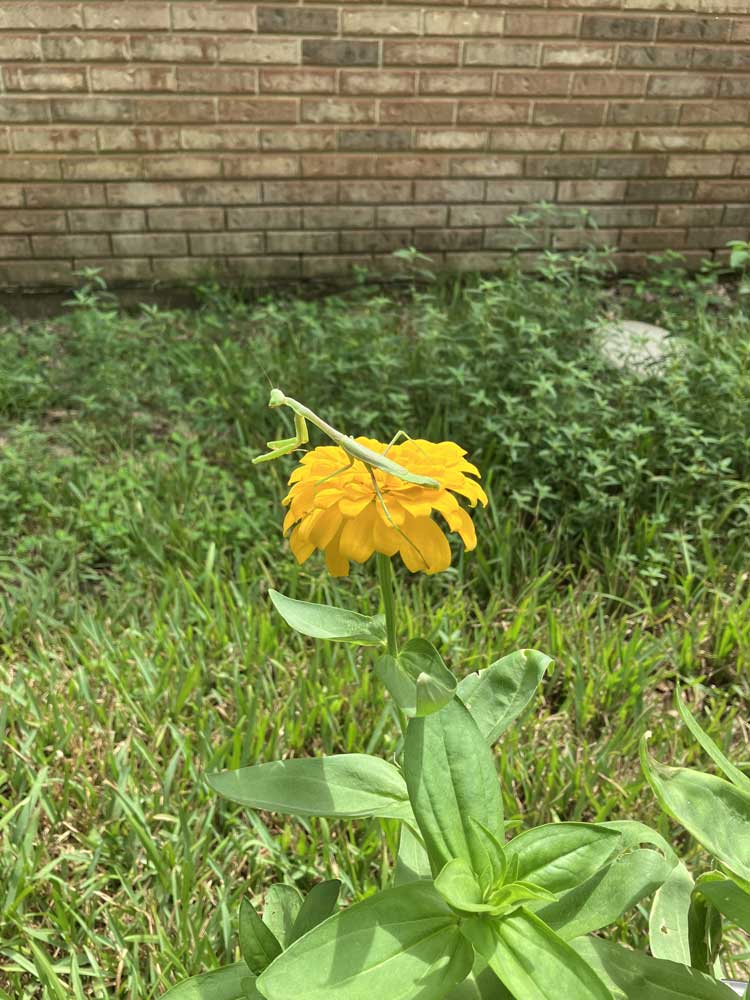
(169, 140)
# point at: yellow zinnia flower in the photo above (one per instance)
(344, 517)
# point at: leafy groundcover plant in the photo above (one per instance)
(470, 915)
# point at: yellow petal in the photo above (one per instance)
(386, 539)
(356, 540)
(353, 506)
(336, 563)
(326, 527)
(302, 550)
(429, 551)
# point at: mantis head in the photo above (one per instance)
(277, 398)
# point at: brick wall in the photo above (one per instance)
(173, 140)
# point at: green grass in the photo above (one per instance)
(139, 650)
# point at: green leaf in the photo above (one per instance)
(738, 779)
(412, 862)
(531, 960)
(728, 898)
(283, 905)
(636, 976)
(458, 886)
(481, 984)
(319, 904)
(418, 680)
(400, 944)
(606, 895)
(258, 944)
(323, 622)
(559, 856)
(635, 834)
(493, 867)
(714, 811)
(668, 931)
(497, 695)
(228, 983)
(705, 931)
(450, 774)
(343, 785)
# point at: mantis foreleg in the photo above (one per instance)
(390, 520)
(285, 445)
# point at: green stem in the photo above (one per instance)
(385, 579)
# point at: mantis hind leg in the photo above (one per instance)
(398, 436)
(336, 472)
(389, 518)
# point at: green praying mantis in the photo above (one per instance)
(353, 450)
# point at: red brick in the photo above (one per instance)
(45, 139)
(107, 220)
(700, 166)
(297, 81)
(336, 110)
(420, 53)
(70, 246)
(568, 113)
(186, 219)
(149, 244)
(101, 168)
(267, 218)
(374, 140)
(413, 215)
(42, 79)
(653, 57)
(216, 80)
(463, 22)
(32, 222)
(713, 237)
(18, 168)
(694, 29)
(375, 192)
(417, 112)
(24, 109)
(261, 166)
(384, 82)
(521, 192)
(594, 190)
(643, 113)
(536, 84)
(542, 25)
(383, 241)
(528, 140)
(300, 192)
(214, 17)
(723, 191)
(682, 86)
(302, 242)
(297, 139)
(451, 139)
(715, 113)
(345, 217)
(12, 195)
(380, 22)
(448, 191)
(135, 78)
(46, 16)
(92, 109)
(260, 111)
(631, 166)
(137, 138)
(168, 111)
(618, 28)
(652, 239)
(174, 48)
(328, 167)
(287, 20)
(500, 54)
(599, 140)
(486, 166)
(19, 47)
(259, 50)
(608, 85)
(667, 190)
(126, 16)
(726, 140)
(222, 138)
(493, 112)
(14, 246)
(452, 83)
(183, 165)
(670, 141)
(560, 166)
(579, 56)
(84, 48)
(412, 166)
